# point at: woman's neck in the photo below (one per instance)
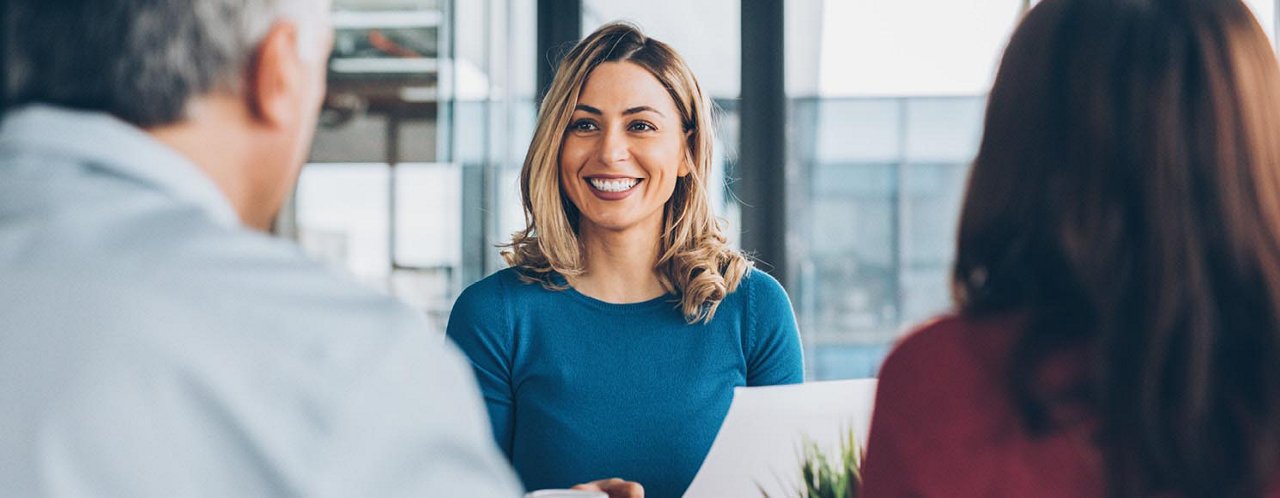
(620, 264)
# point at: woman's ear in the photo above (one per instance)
(687, 159)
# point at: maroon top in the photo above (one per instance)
(944, 424)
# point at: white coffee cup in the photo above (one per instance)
(565, 493)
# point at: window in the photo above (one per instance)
(886, 120)
(412, 180)
(411, 177)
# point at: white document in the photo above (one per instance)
(759, 447)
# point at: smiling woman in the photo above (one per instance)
(613, 344)
(622, 156)
(608, 98)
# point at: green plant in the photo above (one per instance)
(826, 477)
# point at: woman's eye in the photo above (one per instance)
(582, 125)
(642, 126)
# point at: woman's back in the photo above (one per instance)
(945, 427)
(1125, 205)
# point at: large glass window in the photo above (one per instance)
(879, 185)
(411, 178)
(884, 127)
(885, 124)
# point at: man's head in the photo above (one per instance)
(233, 84)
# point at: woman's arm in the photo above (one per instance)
(774, 354)
(480, 327)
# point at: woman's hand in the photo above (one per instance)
(616, 488)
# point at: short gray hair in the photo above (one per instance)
(140, 60)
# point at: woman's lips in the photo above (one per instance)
(612, 189)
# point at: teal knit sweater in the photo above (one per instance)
(579, 389)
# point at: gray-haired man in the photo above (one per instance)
(153, 342)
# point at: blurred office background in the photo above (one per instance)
(845, 133)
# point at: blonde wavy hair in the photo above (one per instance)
(694, 260)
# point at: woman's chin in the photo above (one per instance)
(613, 223)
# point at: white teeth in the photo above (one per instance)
(613, 185)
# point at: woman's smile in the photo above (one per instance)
(623, 150)
(613, 188)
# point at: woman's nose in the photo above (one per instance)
(614, 147)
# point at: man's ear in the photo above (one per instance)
(274, 77)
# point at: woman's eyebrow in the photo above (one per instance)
(633, 110)
(642, 108)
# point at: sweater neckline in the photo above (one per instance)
(665, 300)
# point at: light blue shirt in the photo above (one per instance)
(152, 346)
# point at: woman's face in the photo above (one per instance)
(623, 151)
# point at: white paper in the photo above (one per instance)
(759, 447)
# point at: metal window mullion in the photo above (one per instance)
(489, 175)
(559, 27)
(392, 157)
(762, 159)
(4, 56)
(897, 223)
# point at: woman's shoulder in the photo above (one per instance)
(958, 336)
(495, 283)
(508, 286)
(759, 279)
(757, 292)
(942, 405)
(508, 280)
(944, 383)
(952, 349)
(759, 300)
(938, 334)
(490, 303)
(760, 287)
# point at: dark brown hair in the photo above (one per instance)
(1126, 197)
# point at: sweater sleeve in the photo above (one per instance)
(479, 325)
(774, 352)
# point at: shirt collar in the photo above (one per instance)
(114, 145)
